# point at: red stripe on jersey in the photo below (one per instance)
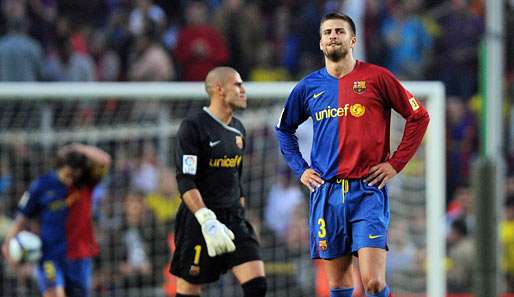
(366, 96)
(81, 242)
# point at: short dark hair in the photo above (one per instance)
(73, 159)
(338, 16)
(77, 161)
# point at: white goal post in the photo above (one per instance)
(433, 92)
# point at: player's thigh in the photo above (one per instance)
(191, 261)
(249, 270)
(186, 288)
(328, 223)
(372, 264)
(50, 277)
(78, 278)
(339, 271)
(358, 288)
(370, 218)
(247, 245)
(55, 292)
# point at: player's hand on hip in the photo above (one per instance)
(380, 174)
(311, 179)
(218, 238)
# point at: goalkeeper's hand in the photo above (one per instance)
(218, 237)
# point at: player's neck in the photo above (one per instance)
(342, 67)
(221, 113)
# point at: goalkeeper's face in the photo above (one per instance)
(337, 39)
(235, 93)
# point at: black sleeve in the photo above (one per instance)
(187, 154)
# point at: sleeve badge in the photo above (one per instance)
(189, 164)
(239, 142)
(414, 104)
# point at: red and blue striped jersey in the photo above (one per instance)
(351, 121)
(64, 216)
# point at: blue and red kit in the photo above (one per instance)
(351, 121)
(351, 118)
(64, 215)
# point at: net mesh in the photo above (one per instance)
(134, 207)
(406, 266)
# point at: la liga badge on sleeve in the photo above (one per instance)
(239, 141)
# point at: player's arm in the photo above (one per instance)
(416, 123)
(415, 115)
(218, 238)
(95, 154)
(28, 207)
(20, 222)
(100, 160)
(293, 114)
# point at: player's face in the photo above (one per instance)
(235, 93)
(337, 39)
(69, 176)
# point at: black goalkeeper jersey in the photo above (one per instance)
(209, 158)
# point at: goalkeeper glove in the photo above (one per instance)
(218, 237)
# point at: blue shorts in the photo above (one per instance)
(342, 222)
(73, 275)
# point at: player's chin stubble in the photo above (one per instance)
(335, 55)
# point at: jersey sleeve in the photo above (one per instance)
(29, 204)
(293, 115)
(187, 156)
(415, 115)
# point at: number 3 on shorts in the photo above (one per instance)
(322, 232)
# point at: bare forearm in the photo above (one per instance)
(193, 200)
(19, 223)
(95, 154)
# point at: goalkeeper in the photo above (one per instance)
(211, 233)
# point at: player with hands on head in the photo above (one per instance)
(211, 232)
(350, 103)
(61, 203)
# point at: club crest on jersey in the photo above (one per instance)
(357, 110)
(359, 86)
(239, 142)
(323, 245)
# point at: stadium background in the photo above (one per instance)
(144, 40)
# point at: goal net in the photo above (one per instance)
(134, 207)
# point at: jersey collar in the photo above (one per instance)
(220, 122)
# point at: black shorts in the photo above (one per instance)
(191, 261)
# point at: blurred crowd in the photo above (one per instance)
(265, 40)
